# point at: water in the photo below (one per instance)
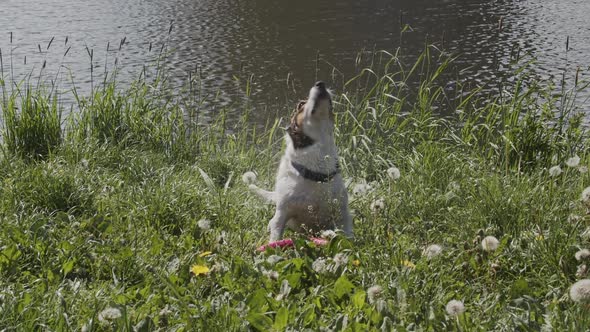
(283, 48)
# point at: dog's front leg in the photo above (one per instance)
(276, 225)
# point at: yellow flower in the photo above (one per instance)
(205, 254)
(356, 262)
(408, 264)
(199, 269)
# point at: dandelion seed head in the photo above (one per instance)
(374, 293)
(249, 177)
(378, 205)
(555, 171)
(586, 195)
(432, 251)
(490, 243)
(582, 255)
(583, 169)
(573, 161)
(393, 173)
(455, 308)
(109, 314)
(204, 224)
(580, 291)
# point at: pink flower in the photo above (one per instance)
(319, 241)
(277, 244)
(289, 243)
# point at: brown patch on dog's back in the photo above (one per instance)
(295, 130)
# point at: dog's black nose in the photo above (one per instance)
(321, 85)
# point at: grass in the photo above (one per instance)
(100, 213)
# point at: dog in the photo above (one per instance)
(310, 194)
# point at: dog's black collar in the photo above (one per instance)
(315, 176)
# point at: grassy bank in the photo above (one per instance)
(102, 214)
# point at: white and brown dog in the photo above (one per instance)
(310, 194)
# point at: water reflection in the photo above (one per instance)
(285, 46)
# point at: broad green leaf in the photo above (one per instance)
(260, 322)
(256, 300)
(281, 319)
(358, 299)
(294, 279)
(342, 287)
(67, 267)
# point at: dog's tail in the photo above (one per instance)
(267, 196)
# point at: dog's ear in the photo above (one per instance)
(297, 118)
(295, 130)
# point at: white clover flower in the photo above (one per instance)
(273, 259)
(340, 259)
(432, 251)
(583, 169)
(173, 265)
(361, 188)
(580, 291)
(490, 243)
(249, 177)
(109, 314)
(582, 270)
(573, 161)
(455, 308)
(285, 290)
(574, 218)
(586, 195)
(393, 173)
(219, 267)
(319, 265)
(374, 293)
(165, 311)
(272, 275)
(378, 205)
(582, 255)
(555, 171)
(204, 224)
(328, 234)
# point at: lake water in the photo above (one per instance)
(285, 46)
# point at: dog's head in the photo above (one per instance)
(313, 118)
